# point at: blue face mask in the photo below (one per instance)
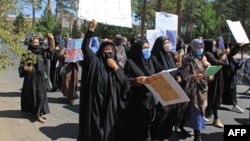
(199, 52)
(146, 53)
(214, 49)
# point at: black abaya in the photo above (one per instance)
(102, 96)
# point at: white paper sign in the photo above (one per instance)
(112, 12)
(152, 35)
(166, 89)
(238, 31)
(167, 21)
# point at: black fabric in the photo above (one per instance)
(215, 86)
(166, 116)
(34, 93)
(102, 97)
(141, 101)
(56, 64)
(229, 95)
(162, 60)
(36, 49)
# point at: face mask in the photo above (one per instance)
(199, 52)
(166, 47)
(146, 53)
(108, 55)
(214, 49)
(35, 46)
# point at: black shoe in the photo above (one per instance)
(197, 135)
(185, 133)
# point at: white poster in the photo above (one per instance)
(167, 21)
(166, 89)
(112, 12)
(152, 35)
(238, 31)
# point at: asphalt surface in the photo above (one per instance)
(62, 122)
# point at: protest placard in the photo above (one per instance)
(212, 70)
(152, 35)
(166, 21)
(112, 12)
(238, 31)
(73, 50)
(166, 89)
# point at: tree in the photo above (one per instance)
(36, 5)
(75, 29)
(10, 43)
(20, 23)
(48, 22)
(207, 23)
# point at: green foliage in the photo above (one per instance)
(109, 31)
(20, 24)
(206, 22)
(8, 39)
(29, 58)
(48, 22)
(67, 6)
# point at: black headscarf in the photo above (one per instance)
(208, 45)
(36, 49)
(162, 60)
(136, 56)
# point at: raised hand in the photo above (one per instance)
(50, 35)
(93, 25)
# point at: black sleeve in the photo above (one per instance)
(234, 51)
(158, 67)
(214, 61)
(87, 52)
(120, 75)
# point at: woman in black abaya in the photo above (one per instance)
(166, 116)
(141, 101)
(103, 91)
(34, 92)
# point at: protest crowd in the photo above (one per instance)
(116, 103)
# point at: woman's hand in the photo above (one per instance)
(178, 79)
(50, 35)
(143, 80)
(27, 68)
(112, 64)
(200, 76)
(93, 25)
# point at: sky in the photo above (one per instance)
(28, 11)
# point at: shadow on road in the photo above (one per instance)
(74, 108)
(67, 130)
(224, 108)
(243, 121)
(244, 97)
(218, 136)
(10, 94)
(17, 114)
(59, 100)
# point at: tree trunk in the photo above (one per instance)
(158, 6)
(50, 5)
(143, 19)
(179, 13)
(33, 13)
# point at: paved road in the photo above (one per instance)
(62, 122)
